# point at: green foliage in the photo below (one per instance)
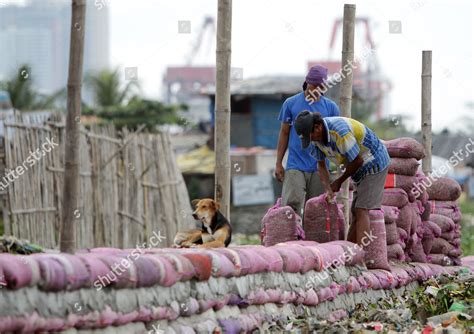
(22, 94)
(139, 111)
(107, 88)
(467, 227)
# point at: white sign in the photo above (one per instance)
(252, 189)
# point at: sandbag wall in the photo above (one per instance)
(192, 290)
(421, 213)
(445, 213)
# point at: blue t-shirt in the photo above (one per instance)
(298, 158)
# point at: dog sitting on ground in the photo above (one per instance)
(215, 229)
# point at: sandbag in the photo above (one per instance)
(392, 234)
(441, 246)
(417, 252)
(404, 221)
(403, 234)
(395, 197)
(444, 189)
(448, 236)
(455, 252)
(456, 242)
(427, 244)
(323, 221)
(441, 259)
(309, 260)
(445, 224)
(446, 208)
(426, 212)
(405, 147)
(395, 252)
(352, 253)
(372, 280)
(407, 183)
(15, 273)
(403, 166)
(279, 225)
(353, 285)
(435, 229)
(376, 249)
(391, 213)
(273, 258)
(292, 261)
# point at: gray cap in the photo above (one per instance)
(304, 123)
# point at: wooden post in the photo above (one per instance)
(71, 166)
(345, 96)
(222, 108)
(426, 110)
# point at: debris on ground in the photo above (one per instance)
(9, 244)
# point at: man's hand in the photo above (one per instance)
(279, 172)
(336, 185)
(331, 196)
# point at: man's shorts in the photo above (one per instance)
(369, 191)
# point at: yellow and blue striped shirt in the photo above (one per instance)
(346, 139)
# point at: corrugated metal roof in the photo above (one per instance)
(265, 85)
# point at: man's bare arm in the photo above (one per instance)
(351, 168)
(281, 149)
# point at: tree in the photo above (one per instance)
(140, 111)
(71, 165)
(107, 89)
(22, 94)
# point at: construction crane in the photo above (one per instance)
(183, 83)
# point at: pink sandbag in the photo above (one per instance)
(234, 258)
(14, 272)
(435, 229)
(426, 212)
(53, 274)
(376, 249)
(401, 275)
(353, 285)
(392, 233)
(372, 280)
(353, 253)
(310, 261)
(311, 298)
(444, 189)
(292, 261)
(391, 213)
(405, 219)
(441, 259)
(445, 224)
(181, 264)
(417, 252)
(273, 258)
(395, 252)
(395, 197)
(279, 225)
(95, 267)
(386, 279)
(257, 264)
(405, 147)
(441, 246)
(148, 274)
(456, 242)
(403, 234)
(323, 221)
(325, 294)
(76, 271)
(332, 253)
(448, 235)
(454, 214)
(221, 265)
(404, 182)
(403, 166)
(455, 252)
(168, 275)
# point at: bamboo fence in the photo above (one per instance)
(131, 187)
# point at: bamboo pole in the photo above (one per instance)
(71, 162)
(222, 109)
(426, 110)
(345, 98)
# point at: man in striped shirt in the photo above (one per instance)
(362, 156)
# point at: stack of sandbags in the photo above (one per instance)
(401, 192)
(445, 213)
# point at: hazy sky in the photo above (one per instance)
(278, 37)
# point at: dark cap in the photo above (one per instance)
(304, 123)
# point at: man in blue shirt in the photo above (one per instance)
(348, 142)
(300, 179)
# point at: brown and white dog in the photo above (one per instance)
(215, 229)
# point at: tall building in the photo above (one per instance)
(37, 33)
